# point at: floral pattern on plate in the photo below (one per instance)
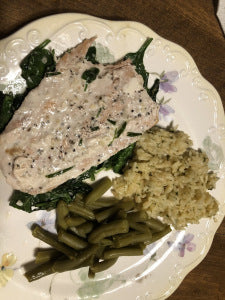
(166, 85)
(45, 219)
(184, 105)
(97, 287)
(214, 153)
(166, 81)
(6, 273)
(185, 244)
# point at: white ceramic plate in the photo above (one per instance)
(194, 105)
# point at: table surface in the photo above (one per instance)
(193, 25)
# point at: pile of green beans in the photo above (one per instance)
(94, 231)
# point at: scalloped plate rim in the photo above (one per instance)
(82, 17)
(86, 16)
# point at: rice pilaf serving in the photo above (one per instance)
(168, 178)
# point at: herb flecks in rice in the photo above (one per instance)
(169, 178)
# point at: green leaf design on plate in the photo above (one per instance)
(83, 274)
(95, 288)
(214, 153)
(103, 54)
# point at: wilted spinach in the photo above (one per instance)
(48, 201)
(36, 64)
(59, 172)
(68, 190)
(34, 67)
(137, 61)
(91, 55)
(8, 105)
(89, 75)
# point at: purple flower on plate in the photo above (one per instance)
(184, 244)
(165, 110)
(46, 221)
(166, 81)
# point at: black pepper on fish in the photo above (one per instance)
(106, 83)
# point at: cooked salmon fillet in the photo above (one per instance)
(65, 123)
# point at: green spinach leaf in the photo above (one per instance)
(59, 172)
(6, 109)
(68, 190)
(118, 132)
(111, 121)
(118, 161)
(154, 89)
(36, 64)
(91, 55)
(8, 105)
(34, 67)
(48, 201)
(95, 128)
(137, 61)
(90, 75)
(132, 134)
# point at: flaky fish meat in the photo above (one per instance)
(68, 124)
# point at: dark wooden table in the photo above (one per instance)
(193, 25)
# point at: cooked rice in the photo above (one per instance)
(169, 178)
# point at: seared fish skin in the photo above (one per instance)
(66, 124)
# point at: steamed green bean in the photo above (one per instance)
(141, 227)
(126, 251)
(66, 264)
(126, 205)
(51, 240)
(80, 210)
(99, 189)
(138, 216)
(95, 232)
(91, 275)
(62, 211)
(83, 229)
(46, 269)
(131, 238)
(105, 214)
(74, 221)
(106, 242)
(103, 265)
(159, 235)
(99, 252)
(155, 224)
(43, 256)
(103, 202)
(40, 271)
(71, 240)
(121, 214)
(107, 230)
